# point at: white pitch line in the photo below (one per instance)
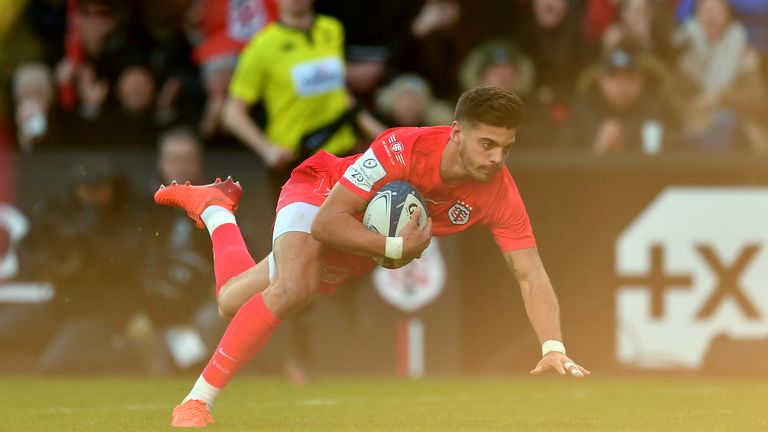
(129, 407)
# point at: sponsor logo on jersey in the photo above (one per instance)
(318, 76)
(460, 212)
(397, 146)
(366, 171)
(385, 146)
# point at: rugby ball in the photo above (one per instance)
(390, 210)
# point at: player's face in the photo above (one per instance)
(483, 149)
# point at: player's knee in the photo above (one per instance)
(292, 294)
(225, 312)
(228, 305)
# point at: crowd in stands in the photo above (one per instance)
(188, 77)
(77, 71)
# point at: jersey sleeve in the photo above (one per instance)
(386, 160)
(509, 222)
(249, 77)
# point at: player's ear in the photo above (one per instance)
(457, 132)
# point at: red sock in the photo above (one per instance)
(245, 336)
(230, 255)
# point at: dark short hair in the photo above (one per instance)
(180, 132)
(490, 105)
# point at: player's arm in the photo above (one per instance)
(543, 310)
(335, 225)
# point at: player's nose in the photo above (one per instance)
(496, 156)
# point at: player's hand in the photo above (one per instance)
(561, 364)
(415, 240)
(277, 157)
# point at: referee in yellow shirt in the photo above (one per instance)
(295, 68)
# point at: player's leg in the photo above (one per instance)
(292, 218)
(242, 287)
(212, 206)
(294, 279)
(238, 277)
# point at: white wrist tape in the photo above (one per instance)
(552, 346)
(394, 248)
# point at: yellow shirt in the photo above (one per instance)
(299, 76)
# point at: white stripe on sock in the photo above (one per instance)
(203, 391)
(214, 216)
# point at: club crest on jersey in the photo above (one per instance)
(459, 213)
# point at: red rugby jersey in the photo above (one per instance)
(413, 154)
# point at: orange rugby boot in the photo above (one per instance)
(195, 199)
(192, 413)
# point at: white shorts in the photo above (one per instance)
(295, 217)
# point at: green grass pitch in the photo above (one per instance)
(505, 404)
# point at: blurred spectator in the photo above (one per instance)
(727, 98)
(599, 15)
(125, 121)
(47, 21)
(443, 32)
(436, 16)
(648, 24)
(219, 31)
(17, 46)
(216, 76)
(220, 28)
(295, 68)
(433, 48)
(621, 109)
(93, 36)
(180, 158)
(88, 243)
(159, 43)
(368, 42)
(33, 98)
(136, 95)
(408, 101)
(500, 63)
(136, 90)
(7, 163)
(752, 14)
(178, 281)
(552, 38)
